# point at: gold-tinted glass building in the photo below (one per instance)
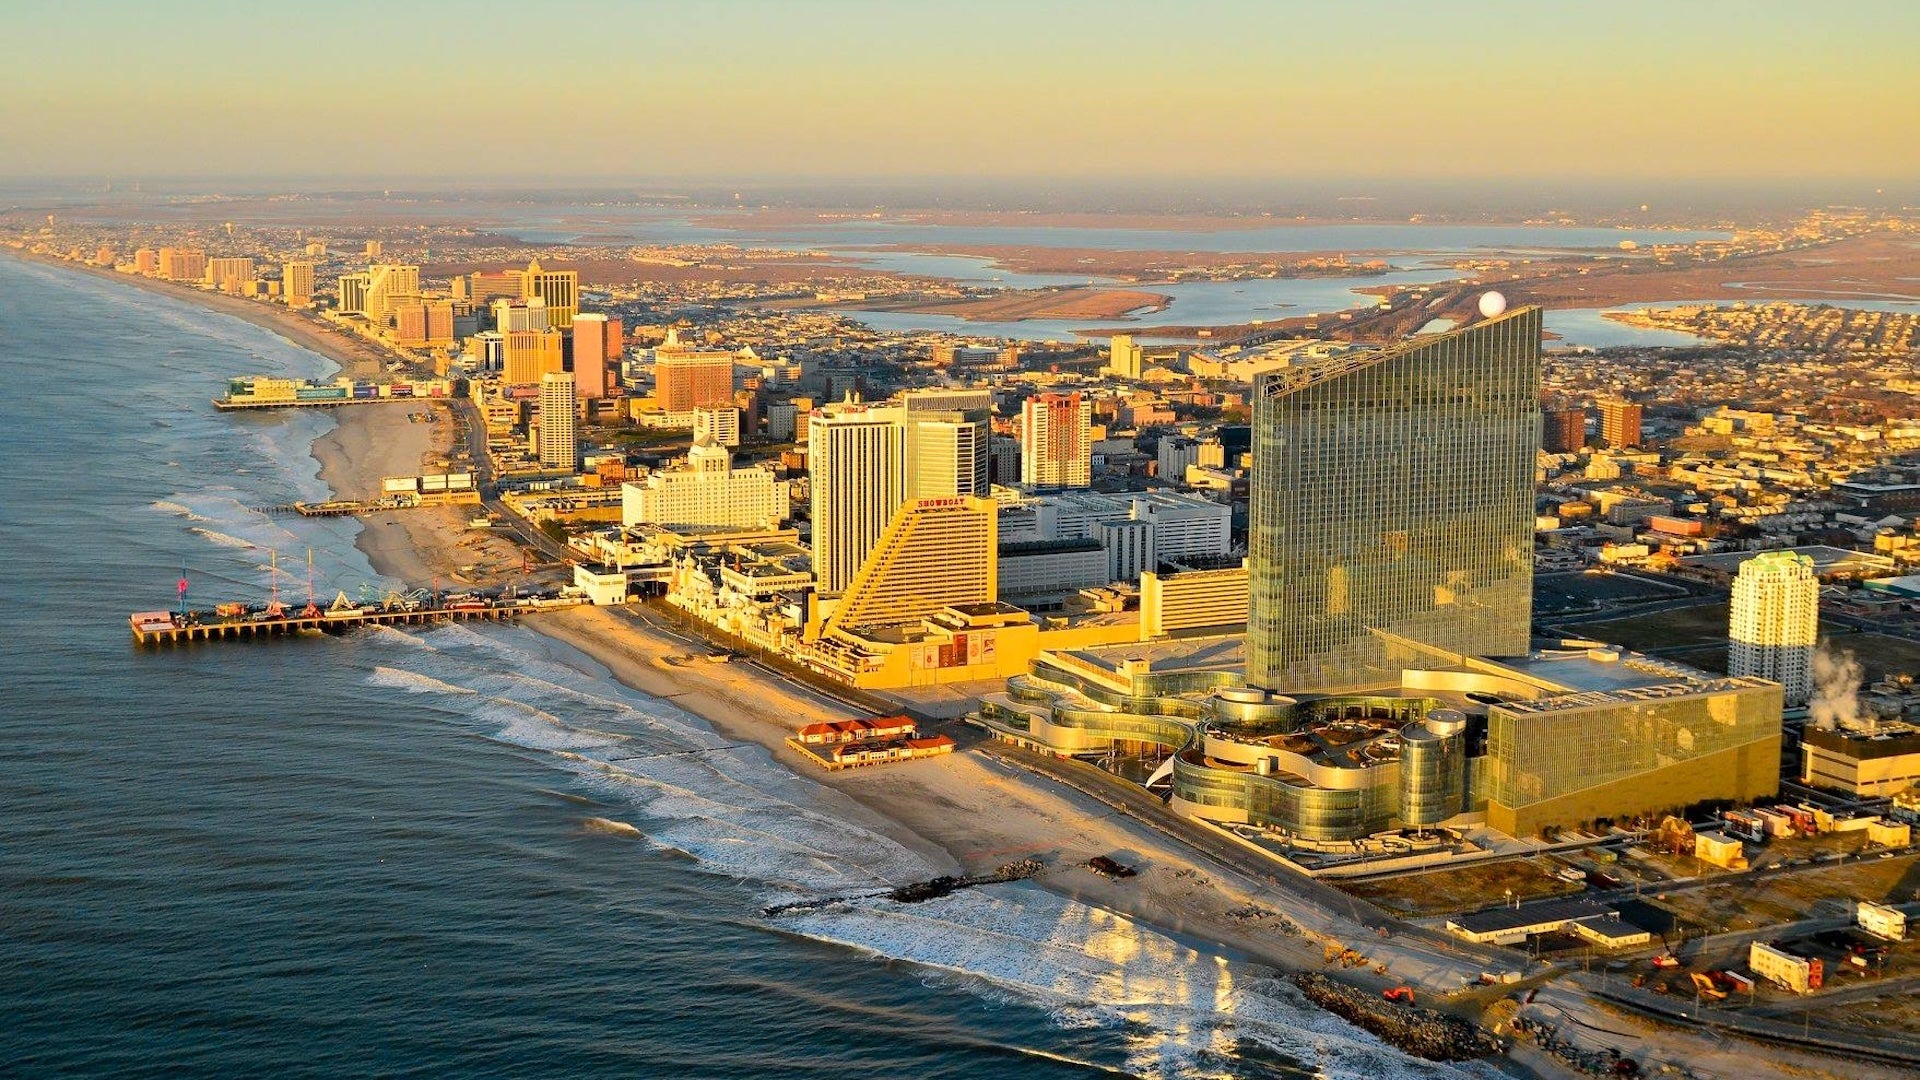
(1566, 761)
(1392, 495)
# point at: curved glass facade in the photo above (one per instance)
(1289, 804)
(1433, 774)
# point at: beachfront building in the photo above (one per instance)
(1392, 496)
(559, 444)
(1774, 621)
(230, 274)
(182, 264)
(948, 432)
(935, 553)
(1556, 738)
(350, 294)
(1391, 557)
(1056, 441)
(296, 284)
(707, 491)
(856, 465)
(387, 285)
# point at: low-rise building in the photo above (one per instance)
(1799, 974)
(1870, 762)
(707, 491)
(1881, 920)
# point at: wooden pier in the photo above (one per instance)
(167, 628)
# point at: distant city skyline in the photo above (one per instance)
(1224, 90)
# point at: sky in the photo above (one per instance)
(1194, 89)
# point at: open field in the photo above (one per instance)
(1557, 593)
(1880, 654)
(1089, 303)
(782, 218)
(1463, 888)
(1867, 267)
(1890, 1014)
(617, 271)
(1876, 267)
(1704, 624)
(1746, 903)
(1155, 266)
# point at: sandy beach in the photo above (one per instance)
(964, 810)
(424, 546)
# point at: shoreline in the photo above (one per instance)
(965, 808)
(356, 357)
(960, 811)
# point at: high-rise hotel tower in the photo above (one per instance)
(1392, 499)
(1774, 621)
(857, 479)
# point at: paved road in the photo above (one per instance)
(467, 414)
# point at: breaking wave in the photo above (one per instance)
(611, 827)
(738, 813)
(220, 538)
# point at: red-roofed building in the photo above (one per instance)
(846, 731)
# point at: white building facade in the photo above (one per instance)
(1775, 622)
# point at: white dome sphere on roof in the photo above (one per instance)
(1492, 304)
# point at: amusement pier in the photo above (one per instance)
(170, 627)
(417, 607)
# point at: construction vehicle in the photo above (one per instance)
(1703, 986)
(1345, 957)
(1666, 960)
(1400, 994)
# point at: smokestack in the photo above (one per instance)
(1836, 689)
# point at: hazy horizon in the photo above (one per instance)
(1223, 92)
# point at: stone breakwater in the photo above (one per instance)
(1426, 1033)
(921, 891)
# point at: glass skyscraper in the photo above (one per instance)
(1392, 498)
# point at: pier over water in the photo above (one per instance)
(170, 627)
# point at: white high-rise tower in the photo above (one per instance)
(559, 440)
(1776, 621)
(856, 464)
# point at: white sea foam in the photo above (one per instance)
(167, 507)
(220, 538)
(738, 813)
(413, 682)
(407, 639)
(1090, 967)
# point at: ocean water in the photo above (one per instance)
(458, 852)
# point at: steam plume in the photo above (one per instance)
(1836, 688)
